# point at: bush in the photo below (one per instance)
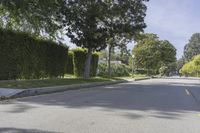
(26, 57)
(70, 64)
(192, 68)
(79, 62)
(117, 70)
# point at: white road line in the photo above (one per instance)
(187, 92)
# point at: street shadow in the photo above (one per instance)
(19, 130)
(168, 101)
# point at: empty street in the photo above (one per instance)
(149, 106)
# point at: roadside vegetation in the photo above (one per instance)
(153, 55)
(189, 64)
(192, 68)
(26, 84)
(33, 49)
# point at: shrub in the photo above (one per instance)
(26, 57)
(79, 62)
(70, 64)
(117, 70)
(192, 68)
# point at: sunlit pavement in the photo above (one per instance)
(150, 106)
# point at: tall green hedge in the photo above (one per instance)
(70, 64)
(25, 57)
(79, 62)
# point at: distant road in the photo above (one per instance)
(168, 105)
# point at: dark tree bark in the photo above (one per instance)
(86, 74)
(109, 60)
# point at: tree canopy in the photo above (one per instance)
(193, 47)
(33, 16)
(88, 23)
(152, 53)
(192, 68)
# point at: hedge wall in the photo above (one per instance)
(70, 64)
(25, 57)
(79, 62)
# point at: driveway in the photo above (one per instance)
(150, 106)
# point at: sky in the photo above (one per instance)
(173, 20)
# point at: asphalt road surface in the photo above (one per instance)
(150, 106)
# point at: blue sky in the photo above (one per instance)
(173, 20)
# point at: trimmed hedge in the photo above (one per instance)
(70, 64)
(26, 57)
(79, 62)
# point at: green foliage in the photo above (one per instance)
(26, 57)
(29, 15)
(168, 52)
(163, 70)
(147, 54)
(151, 53)
(87, 23)
(79, 62)
(193, 47)
(70, 64)
(180, 63)
(192, 68)
(117, 70)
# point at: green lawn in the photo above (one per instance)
(24, 84)
(136, 76)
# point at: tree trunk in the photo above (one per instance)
(86, 74)
(109, 60)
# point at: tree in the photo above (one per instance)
(168, 52)
(192, 68)
(152, 54)
(180, 63)
(193, 47)
(91, 23)
(124, 54)
(147, 54)
(88, 23)
(120, 43)
(33, 16)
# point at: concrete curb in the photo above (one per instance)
(54, 89)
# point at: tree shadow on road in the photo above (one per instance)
(167, 101)
(19, 130)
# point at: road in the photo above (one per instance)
(150, 106)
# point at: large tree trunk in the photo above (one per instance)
(109, 60)
(86, 74)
